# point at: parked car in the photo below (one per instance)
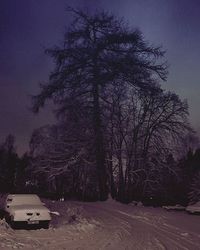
(174, 208)
(26, 209)
(193, 209)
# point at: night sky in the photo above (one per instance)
(29, 26)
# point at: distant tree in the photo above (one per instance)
(8, 145)
(189, 142)
(9, 162)
(189, 167)
(22, 175)
(194, 192)
(191, 164)
(97, 51)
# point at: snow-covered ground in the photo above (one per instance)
(107, 225)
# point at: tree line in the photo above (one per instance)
(58, 175)
(117, 132)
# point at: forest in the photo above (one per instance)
(118, 132)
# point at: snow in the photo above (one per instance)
(107, 225)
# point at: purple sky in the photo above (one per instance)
(29, 26)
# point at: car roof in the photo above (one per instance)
(21, 199)
(22, 195)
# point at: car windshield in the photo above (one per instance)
(24, 200)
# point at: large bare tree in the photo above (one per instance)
(97, 51)
(143, 129)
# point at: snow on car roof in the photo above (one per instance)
(19, 199)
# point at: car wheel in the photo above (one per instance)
(12, 224)
(9, 221)
(7, 218)
(45, 224)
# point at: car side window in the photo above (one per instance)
(9, 199)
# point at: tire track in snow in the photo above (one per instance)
(134, 237)
(165, 233)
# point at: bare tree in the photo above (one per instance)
(62, 162)
(143, 129)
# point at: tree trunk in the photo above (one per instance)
(99, 145)
(121, 185)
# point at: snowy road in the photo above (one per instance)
(111, 225)
(127, 227)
